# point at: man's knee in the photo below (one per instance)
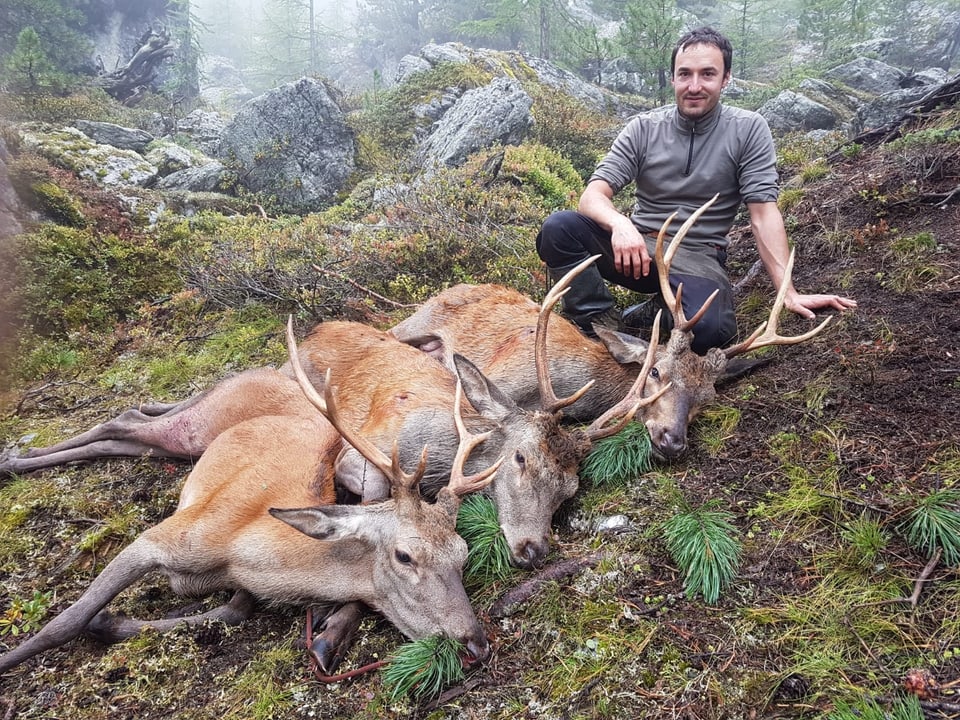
(559, 241)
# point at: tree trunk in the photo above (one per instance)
(128, 83)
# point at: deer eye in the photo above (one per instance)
(403, 557)
(655, 374)
(519, 458)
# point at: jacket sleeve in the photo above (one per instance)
(757, 171)
(621, 165)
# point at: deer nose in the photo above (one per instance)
(477, 648)
(531, 553)
(670, 444)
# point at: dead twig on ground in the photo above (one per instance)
(914, 598)
(528, 588)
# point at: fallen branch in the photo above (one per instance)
(507, 604)
(940, 200)
(940, 706)
(452, 694)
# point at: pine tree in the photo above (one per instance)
(58, 25)
(649, 34)
(28, 69)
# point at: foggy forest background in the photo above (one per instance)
(358, 43)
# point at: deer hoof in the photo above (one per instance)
(326, 654)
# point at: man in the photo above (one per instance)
(679, 156)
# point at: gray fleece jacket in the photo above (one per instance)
(678, 165)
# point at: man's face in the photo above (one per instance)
(698, 79)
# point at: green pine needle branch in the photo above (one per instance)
(907, 708)
(423, 668)
(619, 458)
(706, 546)
(935, 523)
(488, 557)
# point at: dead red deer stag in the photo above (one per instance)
(541, 456)
(495, 326)
(248, 520)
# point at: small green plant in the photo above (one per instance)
(907, 708)
(24, 616)
(715, 425)
(866, 541)
(488, 557)
(814, 171)
(706, 546)
(790, 198)
(851, 150)
(619, 458)
(908, 247)
(58, 204)
(423, 668)
(935, 524)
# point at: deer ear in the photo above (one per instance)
(332, 522)
(486, 398)
(624, 348)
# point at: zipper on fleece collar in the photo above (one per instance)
(696, 127)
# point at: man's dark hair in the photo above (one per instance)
(704, 36)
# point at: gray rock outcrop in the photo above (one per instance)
(293, 143)
(211, 177)
(888, 107)
(117, 136)
(867, 75)
(790, 111)
(204, 129)
(496, 113)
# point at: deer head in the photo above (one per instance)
(693, 377)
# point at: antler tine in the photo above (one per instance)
(548, 399)
(766, 333)
(665, 259)
(460, 484)
(327, 405)
(663, 265)
(634, 399)
(688, 325)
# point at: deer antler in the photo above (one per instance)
(766, 333)
(460, 484)
(449, 497)
(665, 259)
(548, 399)
(634, 399)
(327, 405)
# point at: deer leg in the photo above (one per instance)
(108, 628)
(134, 425)
(336, 635)
(177, 430)
(18, 465)
(131, 564)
